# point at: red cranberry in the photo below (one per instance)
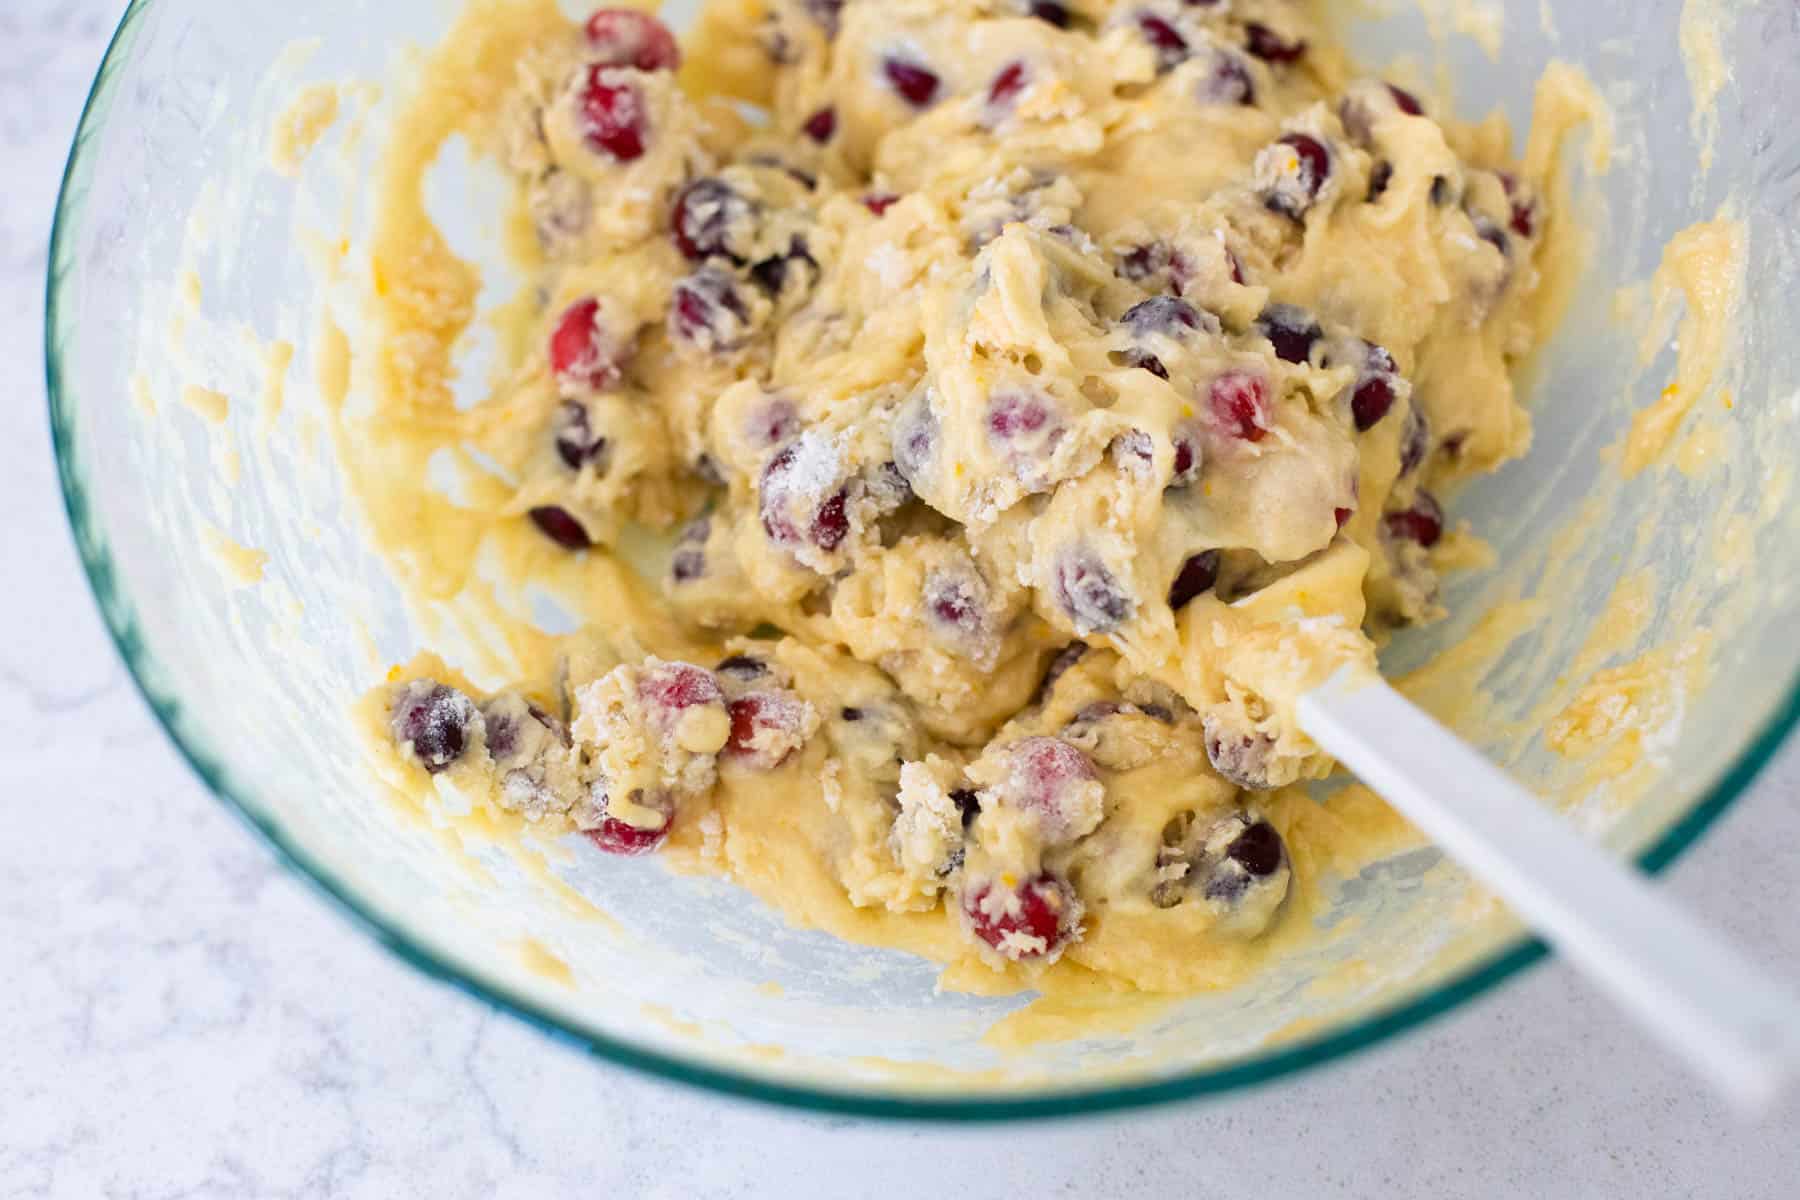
(879, 202)
(1007, 85)
(1089, 593)
(1291, 330)
(1141, 262)
(1188, 458)
(581, 354)
(772, 424)
(576, 442)
(1415, 441)
(951, 600)
(832, 525)
(1342, 516)
(1258, 850)
(763, 715)
(707, 214)
(1045, 776)
(708, 312)
(1134, 450)
(915, 84)
(613, 118)
(1405, 101)
(1017, 414)
(1051, 11)
(1422, 523)
(796, 509)
(1523, 220)
(1030, 922)
(1293, 195)
(1380, 176)
(1196, 577)
(435, 719)
(1270, 46)
(614, 836)
(675, 687)
(1239, 405)
(1374, 395)
(1171, 48)
(625, 37)
(560, 527)
(821, 125)
(1227, 81)
(915, 439)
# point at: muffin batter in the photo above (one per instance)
(1043, 397)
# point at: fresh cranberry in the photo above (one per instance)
(951, 601)
(832, 525)
(1239, 405)
(1166, 315)
(708, 213)
(625, 37)
(879, 202)
(435, 719)
(773, 423)
(1293, 193)
(772, 273)
(1089, 594)
(560, 527)
(677, 686)
(1171, 48)
(1374, 395)
(915, 84)
(1270, 46)
(1380, 176)
(1227, 81)
(1405, 101)
(915, 439)
(1047, 776)
(1007, 85)
(1523, 218)
(576, 442)
(1342, 516)
(796, 509)
(614, 836)
(1291, 330)
(708, 312)
(613, 119)
(743, 668)
(1196, 577)
(581, 354)
(1030, 922)
(1415, 441)
(968, 804)
(1017, 414)
(1134, 451)
(821, 125)
(689, 560)
(1049, 10)
(1186, 440)
(1422, 523)
(1141, 262)
(767, 717)
(1258, 850)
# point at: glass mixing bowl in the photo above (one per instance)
(225, 557)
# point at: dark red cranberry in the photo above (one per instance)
(1047, 776)
(1031, 922)
(1294, 196)
(758, 715)
(1141, 262)
(560, 527)
(1374, 395)
(576, 442)
(852, 714)
(1186, 440)
(1162, 314)
(1089, 593)
(581, 355)
(1007, 85)
(772, 424)
(1422, 523)
(435, 719)
(1291, 330)
(952, 601)
(708, 312)
(1441, 191)
(1051, 11)
(1239, 405)
(1227, 81)
(772, 274)
(614, 836)
(1237, 268)
(625, 37)
(708, 212)
(1171, 48)
(1380, 176)
(832, 525)
(1270, 46)
(1196, 577)
(613, 118)
(821, 125)
(1342, 516)
(784, 505)
(742, 668)
(968, 804)
(1415, 441)
(1523, 218)
(1017, 414)
(1258, 850)
(1405, 101)
(879, 202)
(678, 686)
(915, 84)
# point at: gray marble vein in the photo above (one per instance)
(181, 1018)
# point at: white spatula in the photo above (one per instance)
(1682, 982)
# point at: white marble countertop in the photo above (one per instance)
(183, 1018)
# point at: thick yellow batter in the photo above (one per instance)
(1046, 396)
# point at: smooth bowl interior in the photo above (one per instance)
(226, 556)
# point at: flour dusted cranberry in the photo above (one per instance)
(561, 527)
(1422, 523)
(1088, 593)
(1415, 441)
(1171, 48)
(1189, 455)
(615, 836)
(1375, 391)
(625, 37)
(1243, 757)
(712, 219)
(802, 498)
(1291, 173)
(1226, 80)
(1007, 85)
(432, 720)
(577, 444)
(1016, 415)
(583, 356)
(1238, 405)
(1242, 855)
(1054, 782)
(1270, 46)
(1197, 576)
(821, 127)
(1030, 921)
(1162, 317)
(915, 438)
(708, 313)
(914, 83)
(689, 560)
(1051, 11)
(1139, 263)
(1291, 330)
(953, 601)
(766, 729)
(672, 688)
(1134, 452)
(772, 423)
(614, 119)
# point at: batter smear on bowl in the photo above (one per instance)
(1037, 403)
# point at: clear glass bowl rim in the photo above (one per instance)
(1500, 964)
